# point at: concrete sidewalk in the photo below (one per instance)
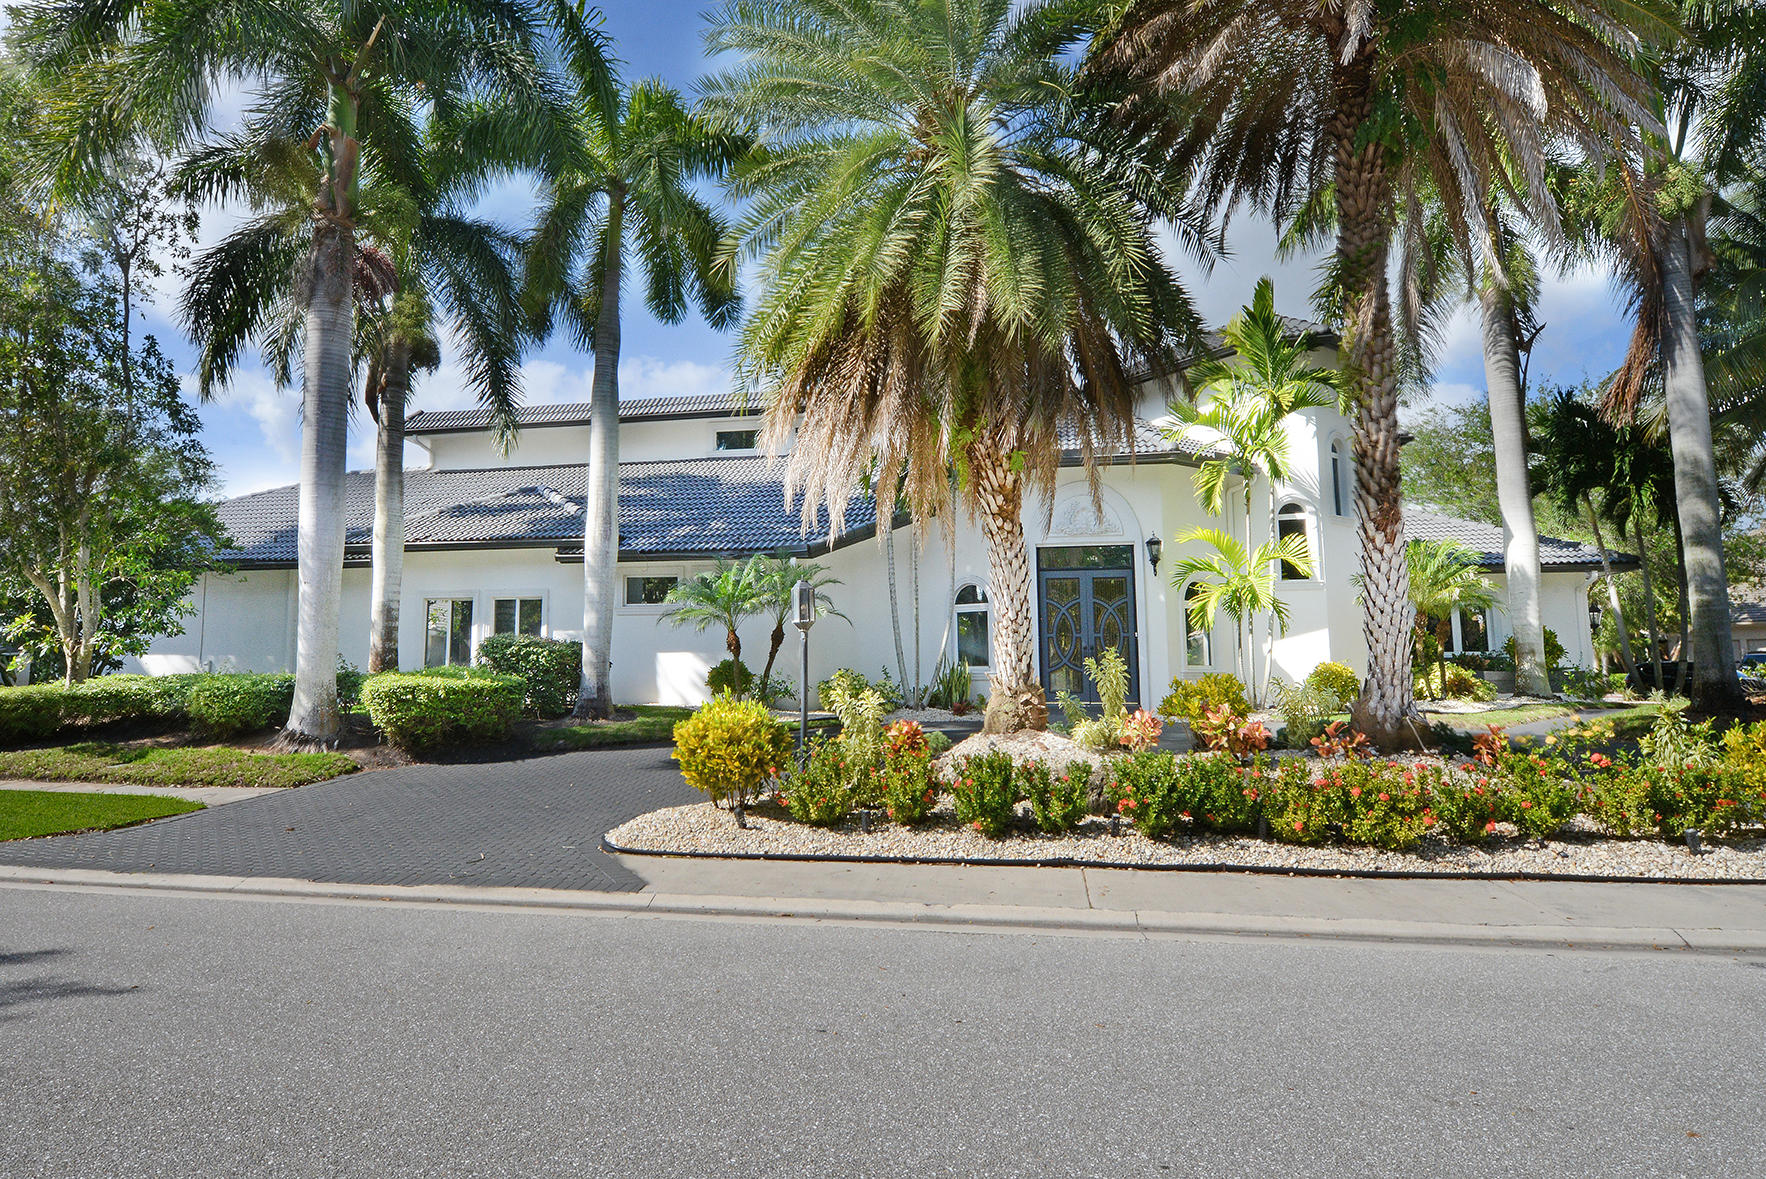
(1724, 919)
(207, 795)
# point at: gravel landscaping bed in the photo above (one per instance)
(701, 828)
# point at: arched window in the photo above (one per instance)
(972, 640)
(1198, 643)
(1291, 521)
(1339, 490)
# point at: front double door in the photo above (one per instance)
(1086, 597)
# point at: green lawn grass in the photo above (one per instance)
(654, 724)
(1627, 720)
(97, 761)
(26, 813)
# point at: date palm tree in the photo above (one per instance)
(1370, 104)
(958, 261)
(333, 85)
(1242, 404)
(624, 192)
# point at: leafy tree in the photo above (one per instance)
(330, 88)
(1374, 107)
(957, 262)
(1250, 394)
(104, 529)
(623, 191)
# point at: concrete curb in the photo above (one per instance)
(998, 918)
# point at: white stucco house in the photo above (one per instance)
(493, 543)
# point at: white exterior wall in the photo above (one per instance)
(544, 446)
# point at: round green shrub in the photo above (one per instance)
(1336, 678)
(730, 748)
(730, 676)
(1191, 700)
(228, 705)
(550, 670)
(428, 710)
(31, 713)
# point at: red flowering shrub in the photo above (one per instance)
(908, 786)
(985, 790)
(1058, 801)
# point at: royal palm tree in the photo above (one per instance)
(1238, 580)
(1654, 214)
(1241, 406)
(1444, 577)
(624, 192)
(725, 596)
(957, 261)
(333, 85)
(1375, 103)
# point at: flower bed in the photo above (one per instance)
(1682, 805)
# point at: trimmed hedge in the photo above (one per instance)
(550, 670)
(40, 711)
(443, 707)
(227, 705)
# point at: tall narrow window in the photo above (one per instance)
(1291, 521)
(516, 616)
(972, 637)
(1198, 644)
(1337, 496)
(448, 632)
(1474, 631)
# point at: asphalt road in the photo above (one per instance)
(179, 1036)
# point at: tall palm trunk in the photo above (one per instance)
(1386, 709)
(901, 662)
(1520, 533)
(1649, 600)
(1015, 699)
(325, 390)
(389, 507)
(1680, 651)
(1606, 565)
(1714, 686)
(601, 483)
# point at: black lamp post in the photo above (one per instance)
(803, 600)
(1155, 549)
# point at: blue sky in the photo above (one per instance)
(252, 428)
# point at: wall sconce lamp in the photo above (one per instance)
(1155, 549)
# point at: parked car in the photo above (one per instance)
(1752, 664)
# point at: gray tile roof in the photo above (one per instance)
(1745, 612)
(452, 421)
(1486, 541)
(713, 505)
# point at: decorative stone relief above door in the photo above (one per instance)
(1076, 517)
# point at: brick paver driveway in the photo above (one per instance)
(534, 823)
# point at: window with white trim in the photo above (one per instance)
(737, 439)
(1339, 487)
(1291, 521)
(1198, 642)
(518, 616)
(447, 639)
(972, 626)
(648, 591)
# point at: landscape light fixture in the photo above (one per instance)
(1155, 549)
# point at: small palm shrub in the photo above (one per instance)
(820, 793)
(1192, 700)
(228, 705)
(1060, 800)
(731, 676)
(1305, 711)
(550, 670)
(985, 791)
(428, 710)
(730, 749)
(1336, 678)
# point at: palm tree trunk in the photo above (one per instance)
(1680, 651)
(1015, 699)
(901, 662)
(1520, 533)
(774, 641)
(601, 484)
(389, 507)
(1649, 600)
(325, 391)
(1386, 709)
(1606, 564)
(1714, 686)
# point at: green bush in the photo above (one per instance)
(985, 791)
(350, 679)
(1554, 649)
(31, 713)
(847, 682)
(1306, 710)
(820, 793)
(1338, 679)
(550, 670)
(733, 676)
(1058, 801)
(908, 788)
(443, 707)
(1147, 793)
(228, 705)
(108, 699)
(1192, 700)
(1463, 685)
(730, 748)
